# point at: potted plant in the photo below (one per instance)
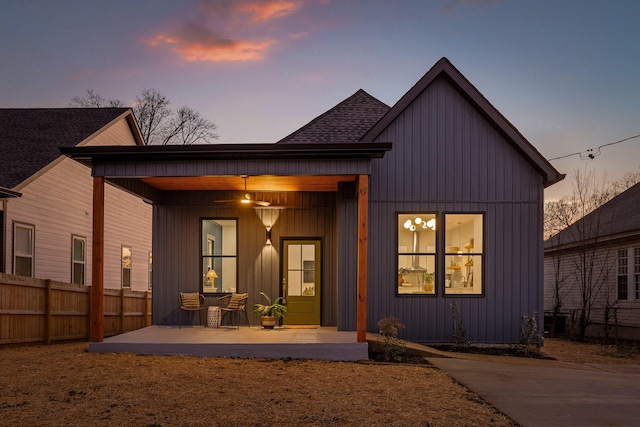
(428, 281)
(270, 312)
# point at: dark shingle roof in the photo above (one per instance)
(344, 123)
(618, 217)
(29, 138)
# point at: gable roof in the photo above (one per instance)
(618, 218)
(344, 123)
(444, 68)
(30, 138)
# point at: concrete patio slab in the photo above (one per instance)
(324, 343)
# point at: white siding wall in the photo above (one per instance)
(58, 202)
(605, 259)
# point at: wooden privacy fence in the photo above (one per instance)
(38, 310)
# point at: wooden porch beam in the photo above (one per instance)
(97, 263)
(363, 231)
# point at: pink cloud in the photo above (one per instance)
(264, 10)
(194, 42)
(244, 23)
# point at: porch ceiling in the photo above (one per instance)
(263, 183)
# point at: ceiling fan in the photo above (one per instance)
(246, 198)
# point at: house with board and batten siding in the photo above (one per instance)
(46, 211)
(366, 211)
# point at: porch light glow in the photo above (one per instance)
(268, 237)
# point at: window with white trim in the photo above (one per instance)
(23, 249)
(623, 281)
(150, 271)
(78, 257)
(126, 267)
(636, 270)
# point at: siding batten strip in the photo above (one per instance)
(97, 270)
(363, 230)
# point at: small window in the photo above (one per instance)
(219, 255)
(78, 256)
(463, 239)
(23, 250)
(636, 271)
(623, 269)
(150, 271)
(126, 267)
(416, 253)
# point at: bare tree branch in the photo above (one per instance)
(158, 123)
(94, 100)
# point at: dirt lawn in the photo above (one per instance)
(65, 385)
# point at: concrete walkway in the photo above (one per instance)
(536, 392)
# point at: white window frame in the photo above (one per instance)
(124, 267)
(75, 262)
(622, 277)
(16, 254)
(636, 272)
(150, 270)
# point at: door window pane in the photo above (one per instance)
(301, 269)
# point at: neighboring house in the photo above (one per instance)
(598, 255)
(46, 198)
(366, 204)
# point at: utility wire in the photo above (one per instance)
(592, 153)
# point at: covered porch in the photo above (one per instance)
(323, 343)
(327, 183)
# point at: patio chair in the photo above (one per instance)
(234, 303)
(191, 302)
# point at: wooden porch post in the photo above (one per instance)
(97, 262)
(363, 230)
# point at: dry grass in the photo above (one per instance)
(65, 385)
(569, 351)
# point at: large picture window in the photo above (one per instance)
(463, 242)
(219, 255)
(23, 249)
(78, 255)
(417, 253)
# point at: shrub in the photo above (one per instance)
(392, 347)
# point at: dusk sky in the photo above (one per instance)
(566, 74)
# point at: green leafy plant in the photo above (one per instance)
(275, 308)
(428, 277)
(392, 347)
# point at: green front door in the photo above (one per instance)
(301, 281)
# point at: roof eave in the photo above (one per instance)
(228, 152)
(5, 193)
